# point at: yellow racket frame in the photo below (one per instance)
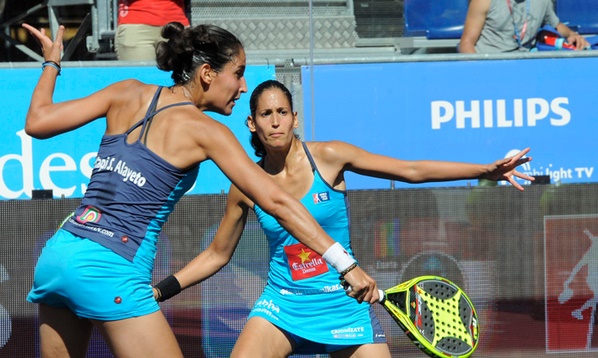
(443, 311)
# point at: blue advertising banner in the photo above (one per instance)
(64, 163)
(470, 111)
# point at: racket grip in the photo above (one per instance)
(380, 292)
(382, 296)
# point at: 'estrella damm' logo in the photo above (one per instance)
(303, 262)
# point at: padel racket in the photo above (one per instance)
(435, 314)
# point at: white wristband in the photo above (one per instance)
(338, 257)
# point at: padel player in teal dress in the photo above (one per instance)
(304, 308)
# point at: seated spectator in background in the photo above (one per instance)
(494, 26)
(140, 23)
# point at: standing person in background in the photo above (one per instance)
(496, 26)
(140, 23)
(96, 270)
(304, 308)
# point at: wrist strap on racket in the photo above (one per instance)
(338, 257)
(167, 288)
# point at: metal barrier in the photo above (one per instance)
(98, 26)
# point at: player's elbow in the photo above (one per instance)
(213, 259)
(219, 261)
(34, 132)
(34, 127)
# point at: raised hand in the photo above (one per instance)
(505, 169)
(51, 50)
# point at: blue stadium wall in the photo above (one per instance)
(474, 111)
(515, 253)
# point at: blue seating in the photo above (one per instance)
(435, 19)
(579, 15)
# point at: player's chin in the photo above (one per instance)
(228, 110)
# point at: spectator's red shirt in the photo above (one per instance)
(151, 12)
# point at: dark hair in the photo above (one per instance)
(256, 143)
(186, 49)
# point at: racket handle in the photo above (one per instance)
(382, 296)
(380, 292)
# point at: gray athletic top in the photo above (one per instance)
(498, 33)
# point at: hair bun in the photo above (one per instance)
(172, 29)
(186, 49)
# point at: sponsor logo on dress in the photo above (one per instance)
(303, 262)
(348, 332)
(89, 215)
(320, 197)
(267, 307)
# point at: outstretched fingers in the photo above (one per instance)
(514, 182)
(51, 50)
(39, 34)
(518, 158)
(509, 166)
(523, 176)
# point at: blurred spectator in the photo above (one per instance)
(494, 26)
(140, 23)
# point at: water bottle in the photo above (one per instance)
(559, 43)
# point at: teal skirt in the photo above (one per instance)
(92, 281)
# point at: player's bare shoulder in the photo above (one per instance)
(131, 91)
(201, 126)
(129, 101)
(331, 152)
(197, 131)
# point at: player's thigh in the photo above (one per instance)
(145, 336)
(261, 339)
(62, 333)
(378, 350)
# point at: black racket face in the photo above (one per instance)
(440, 317)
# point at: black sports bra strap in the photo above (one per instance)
(309, 157)
(151, 112)
(154, 103)
(151, 117)
(150, 109)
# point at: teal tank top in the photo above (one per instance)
(295, 267)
